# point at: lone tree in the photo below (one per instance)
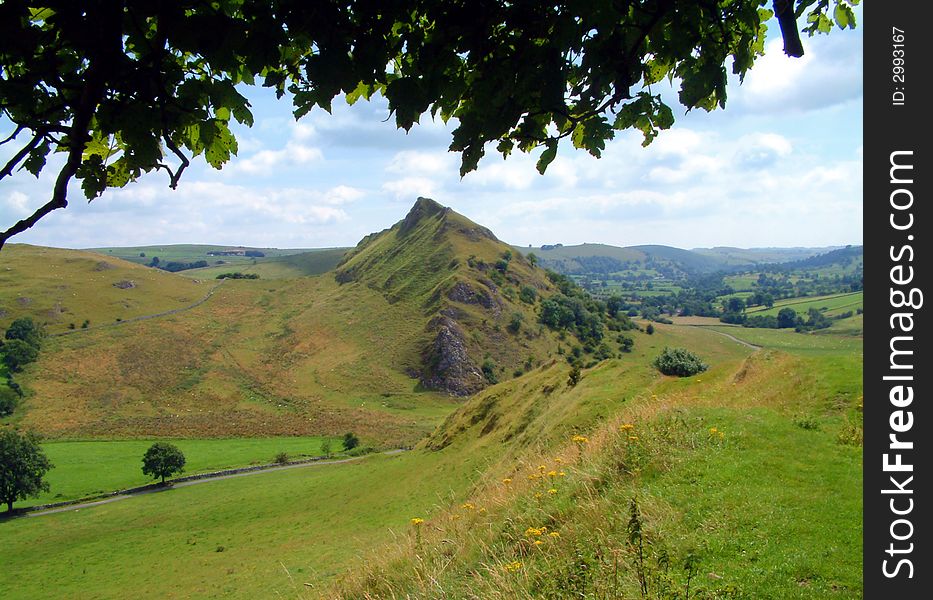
(163, 460)
(125, 88)
(23, 464)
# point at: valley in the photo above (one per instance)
(540, 429)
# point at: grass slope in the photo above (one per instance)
(772, 508)
(61, 287)
(314, 262)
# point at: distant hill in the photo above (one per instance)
(64, 288)
(665, 260)
(842, 257)
(190, 253)
(311, 262)
(757, 256)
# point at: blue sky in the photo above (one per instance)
(781, 166)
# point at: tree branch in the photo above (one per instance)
(19, 156)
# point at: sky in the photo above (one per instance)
(781, 166)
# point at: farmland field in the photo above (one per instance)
(834, 304)
(94, 467)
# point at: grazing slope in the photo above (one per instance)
(62, 287)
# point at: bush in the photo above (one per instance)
(15, 353)
(489, 371)
(528, 294)
(281, 458)
(574, 378)
(649, 329)
(680, 362)
(350, 441)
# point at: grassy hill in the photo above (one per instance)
(467, 284)
(605, 259)
(191, 253)
(60, 288)
(411, 310)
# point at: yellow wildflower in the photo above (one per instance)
(554, 534)
(417, 521)
(713, 430)
(561, 474)
(633, 438)
(580, 439)
(552, 473)
(537, 495)
(467, 506)
(513, 566)
(482, 511)
(533, 476)
(542, 468)
(535, 531)
(507, 480)
(552, 491)
(558, 460)
(538, 542)
(627, 427)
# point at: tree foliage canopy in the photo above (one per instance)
(163, 460)
(23, 464)
(121, 88)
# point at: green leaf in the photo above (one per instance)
(842, 16)
(35, 162)
(547, 157)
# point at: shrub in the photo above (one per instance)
(680, 362)
(574, 378)
(281, 458)
(350, 441)
(489, 371)
(528, 294)
(515, 324)
(649, 329)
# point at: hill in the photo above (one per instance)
(466, 284)
(667, 261)
(431, 308)
(64, 289)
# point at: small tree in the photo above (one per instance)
(350, 441)
(649, 329)
(326, 447)
(23, 464)
(25, 329)
(163, 460)
(16, 353)
(787, 317)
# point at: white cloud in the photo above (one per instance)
(411, 187)
(18, 204)
(265, 162)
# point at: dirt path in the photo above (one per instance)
(203, 478)
(167, 313)
(724, 334)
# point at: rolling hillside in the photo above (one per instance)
(64, 288)
(411, 310)
(672, 262)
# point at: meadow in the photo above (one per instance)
(833, 304)
(86, 468)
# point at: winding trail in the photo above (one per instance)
(201, 478)
(728, 335)
(167, 313)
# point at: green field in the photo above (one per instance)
(313, 262)
(86, 468)
(187, 253)
(834, 304)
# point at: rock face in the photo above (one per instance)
(462, 292)
(449, 367)
(125, 284)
